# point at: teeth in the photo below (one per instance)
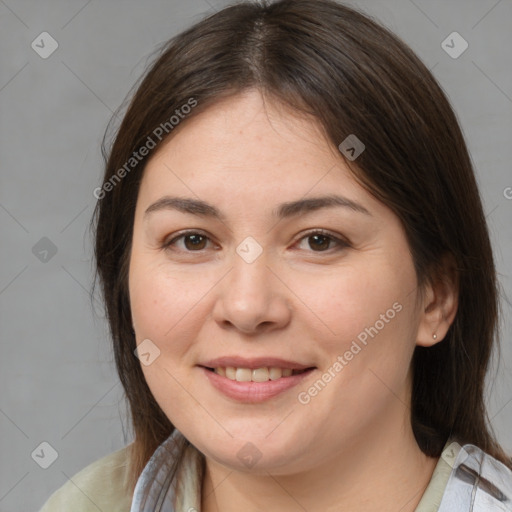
(254, 375)
(243, 375)
(259, 375)
(275, 373)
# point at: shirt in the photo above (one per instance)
(103, 485)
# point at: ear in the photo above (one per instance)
(439, 303)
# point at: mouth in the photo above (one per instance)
(256, 380)
(262, 374)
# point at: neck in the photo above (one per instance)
(382, 470)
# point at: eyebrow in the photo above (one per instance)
(283, 211)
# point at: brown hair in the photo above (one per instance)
(354, 77)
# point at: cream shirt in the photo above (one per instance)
(103, 486)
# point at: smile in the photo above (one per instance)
(242, 384)
(255, 375)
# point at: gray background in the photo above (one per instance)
(58, 383)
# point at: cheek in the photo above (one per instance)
(366, 334)
(167, 303)
(151, 301)
(366, 337)
(156, 297)
(347, 302)
(162, 306)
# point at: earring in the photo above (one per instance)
(434, 336)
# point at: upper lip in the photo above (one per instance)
(257, 362)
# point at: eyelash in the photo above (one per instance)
(342, 244)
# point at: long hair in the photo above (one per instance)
(353, 76)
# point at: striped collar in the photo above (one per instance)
(477, 482)
(162, 487)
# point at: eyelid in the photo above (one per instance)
(180, 234)
(338, 239)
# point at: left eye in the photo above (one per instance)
(195, 241)
(322, 241)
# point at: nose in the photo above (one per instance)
(252, 298)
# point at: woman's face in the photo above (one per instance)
(257, 286)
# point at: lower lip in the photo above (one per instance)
(253, 392)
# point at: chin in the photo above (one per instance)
(253, 450)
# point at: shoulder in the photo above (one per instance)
(477, 482)
(467, 478)
(103, 485)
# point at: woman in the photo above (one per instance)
(298, 278)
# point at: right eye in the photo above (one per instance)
(193, 241)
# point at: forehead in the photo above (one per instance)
(246, 155)
(250, 165)
(248, 123)
(247, 140)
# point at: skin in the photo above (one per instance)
(351, 447)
